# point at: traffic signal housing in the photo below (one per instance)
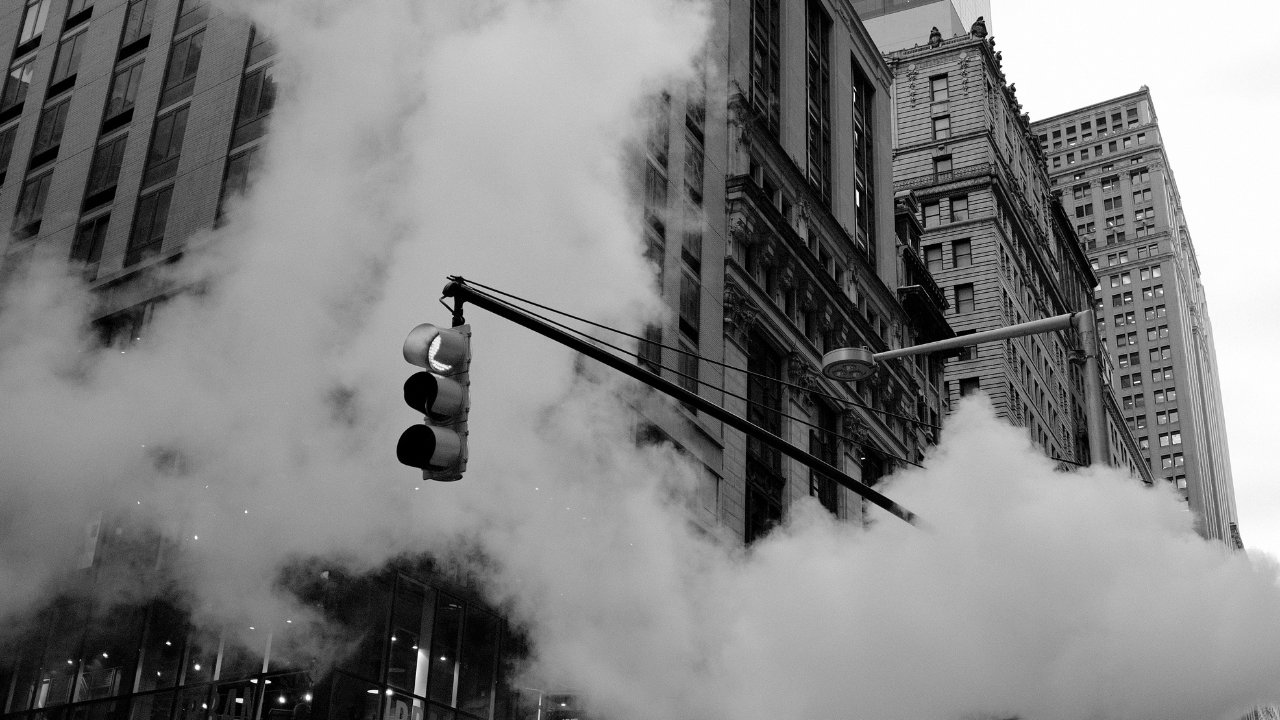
(441, 393)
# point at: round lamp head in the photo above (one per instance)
(848, 364)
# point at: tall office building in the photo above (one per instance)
(772, 221)
(1110, 166)
(996, 239)
(900, 24)
(122, 125)
(772, 218)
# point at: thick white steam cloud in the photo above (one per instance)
(420, 139)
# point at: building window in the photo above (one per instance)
(649, 355)
(34, 15)
(765, 64)
(123, 95)
(933, 258)
(148, 226)
(166, 147)
(1142, 138)
(655, 200)
(180, 76)
(864, 178)
(240, 170)
(7, 136)
(193, 13)
(942, 165)
(66, 63)
(74, 8)
(818, 76)
(257, 98)
(764, 479)
(90, 237)
(938, 89)
(693, 165)
(104, 172)
(964, 298)
(932, 214)
(137, 25)
(969, 386)
(824, 445)
(690, 305)
(49, 132)
(26, 221)
(942, 127)
(1084, 210)
(959, 208)
(16, 84)
(961, 253)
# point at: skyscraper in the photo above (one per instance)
(123, 125)
(995, 239)
(1109, 164)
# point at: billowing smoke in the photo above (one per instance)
(256, 420)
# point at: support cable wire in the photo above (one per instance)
(682, 351)
(676, 372)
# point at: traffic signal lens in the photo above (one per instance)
(429, 448)
(432, 352)
(434, 396)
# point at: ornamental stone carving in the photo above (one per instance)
(785, 276)
(853, 427)
(979, 28)
(802, 373)
(805, 295)
(740, 312)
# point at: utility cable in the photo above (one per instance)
(682, 351)
(699, 381)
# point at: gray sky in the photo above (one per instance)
(1214, 74)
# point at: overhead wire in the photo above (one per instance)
(699, 381)
(701, 358)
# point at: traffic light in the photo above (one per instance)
(438, 446)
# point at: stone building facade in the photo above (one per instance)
(1110, 167)
(996, 238)
(770, 200)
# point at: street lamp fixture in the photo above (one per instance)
(850, 364)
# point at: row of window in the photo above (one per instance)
(954, 209)
(151, 213)
(1148, 293)
(1089, 127)
(1111, 147)
(1122, 257)
(1126, 278)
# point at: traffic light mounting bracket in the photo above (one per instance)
(463, 293)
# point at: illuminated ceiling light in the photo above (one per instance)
(204, 706)
(307, 697)
(373, 691)
(197, 666)
(281, 699)
(168, 642)
(240, 700)
(104, 654)
(388, 691)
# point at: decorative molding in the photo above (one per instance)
(802, 373)
(740, 313)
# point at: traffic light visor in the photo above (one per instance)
(436, 349)
(429, 448)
